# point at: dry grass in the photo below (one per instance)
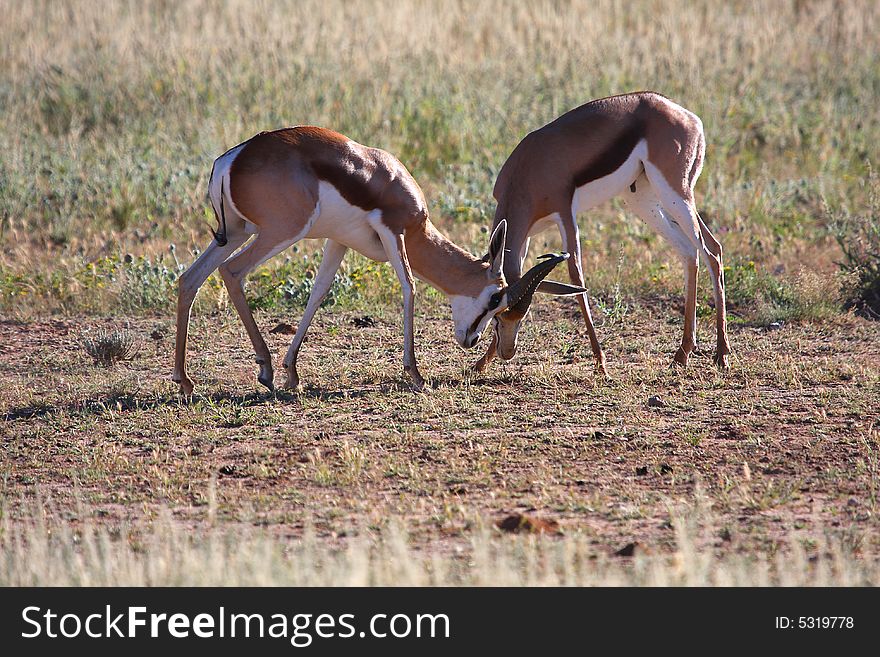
(783, 451)
(50, 552)
(110, 115)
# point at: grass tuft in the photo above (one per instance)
(109, 347)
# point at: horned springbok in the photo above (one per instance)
(308, 182)
(639, 146)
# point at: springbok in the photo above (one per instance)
(640, 146)
(308, 182)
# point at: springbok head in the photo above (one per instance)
(520, 293)
(506, 304)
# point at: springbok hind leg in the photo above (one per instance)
(233, 272)
(716, 264)
(189, 284)
(642, 199)
(681, 209)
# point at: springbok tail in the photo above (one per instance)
(220, 233)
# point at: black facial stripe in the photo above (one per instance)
(473, 327)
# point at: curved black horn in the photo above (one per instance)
(520, 293)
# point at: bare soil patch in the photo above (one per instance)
(784, 444)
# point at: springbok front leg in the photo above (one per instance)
(486, 358)
(190, 282)
(512, 272)
(233, 271)
(395, 249)
(334, 252)
(572, 244)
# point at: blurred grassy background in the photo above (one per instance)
(111, 114)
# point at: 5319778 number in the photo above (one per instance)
(815, 622)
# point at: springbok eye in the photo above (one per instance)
(494, 300)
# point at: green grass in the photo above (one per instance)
(110, 117)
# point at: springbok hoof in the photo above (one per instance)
(680, 359)
(722, 361)
(418, 383)
(186, 386)
(267, 378)
(480, 365)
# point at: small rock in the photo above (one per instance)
(157, 334)
(629, 550)
(665, 468)
(283, 328)
(642, 470)
(519, 522)
(852, 502)
(363, 322)
(655, 402)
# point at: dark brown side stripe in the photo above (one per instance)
(613, 157)
(353, 188)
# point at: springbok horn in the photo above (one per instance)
(520, 293)
(560, 289)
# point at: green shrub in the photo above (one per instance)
(764, 297)
(858, 234)
(288, 286)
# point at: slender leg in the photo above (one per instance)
(484, 361)
(681, 208)
(233, 272)
(333, 254)
(189, 284)
(645, 202)
(395, 249)
(716, 265)
(689, 338)
(571, 243)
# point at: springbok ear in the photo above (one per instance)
(496, 247)
(560, 289)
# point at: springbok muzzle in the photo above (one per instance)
(520, 294)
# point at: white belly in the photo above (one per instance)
(544, 223)
(342, 222)
(603, 189)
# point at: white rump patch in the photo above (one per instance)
(220, 180)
